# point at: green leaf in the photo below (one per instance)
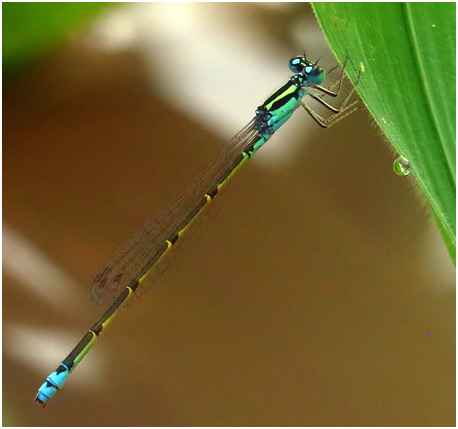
(405, 54)
(31, 29)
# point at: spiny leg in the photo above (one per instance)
(324, 103)
(330, 91)
(345, 109)
(328, 122)
(328, 73)
(351, 108)
(332, 69)
(345, 106)
(315, 116)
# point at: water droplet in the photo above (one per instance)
(401, 166)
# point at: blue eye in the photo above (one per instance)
(316, 74)
(297, 64)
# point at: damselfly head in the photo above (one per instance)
(297, 64)
(311, 70)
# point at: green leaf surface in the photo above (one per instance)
(405, 55)
(31, 29)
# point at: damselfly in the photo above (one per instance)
(130, 267)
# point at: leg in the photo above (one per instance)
(315, 116)
(330, 90)
(345, 109)
(344, 106)
(324, 103)
(348, 110)
(329, 122)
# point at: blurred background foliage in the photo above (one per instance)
(32, 29)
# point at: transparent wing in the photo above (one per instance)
(144, 248)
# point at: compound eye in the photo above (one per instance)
(316, 71)
(296, 64)
(316, 74)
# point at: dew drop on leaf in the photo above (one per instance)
(401, 166)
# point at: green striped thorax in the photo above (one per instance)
(279, 107)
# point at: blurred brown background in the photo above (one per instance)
(317, 291)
